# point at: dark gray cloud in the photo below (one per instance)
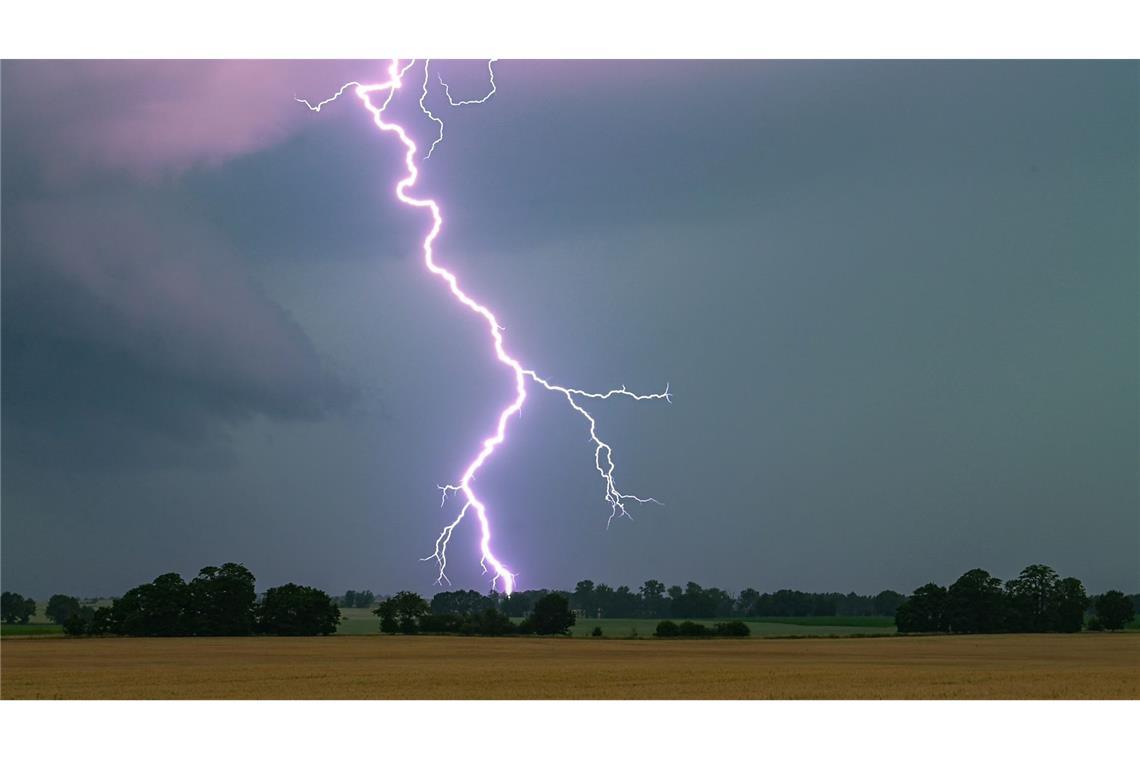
(896, 302)
(133, 332)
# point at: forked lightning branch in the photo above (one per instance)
(375, 98)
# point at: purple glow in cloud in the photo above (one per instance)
(603, 454)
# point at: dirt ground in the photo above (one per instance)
(1079, 666)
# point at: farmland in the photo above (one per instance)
(1016, 666)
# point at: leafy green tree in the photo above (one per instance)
(1069, 605)
(102, 622)
(975, 603)
(887, 602)
(461, 602)
(75, 626)
(364, 599)
(402, 613)
(1032, 599)
(61, 608)
(293, 610)
(79, 622)
(584, 598)
(387, 612)
(444, 622)
(667, 629)
(14, 608)
(551, 615)
(1114, 610)
(924, 611)
(349, 598)
(746, 602)
(626, 604)
(158, 608)
(222, 601)
(490, 622)
(652, 594)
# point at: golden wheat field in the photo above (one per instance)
(381, 667)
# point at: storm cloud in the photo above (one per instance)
(895, 302)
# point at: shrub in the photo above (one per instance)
(597, 631)
(667, 628)
(689, 628)
(75, 625)
(732, 628)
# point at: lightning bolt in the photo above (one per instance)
(603, 453)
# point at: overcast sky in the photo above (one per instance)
(896, 304)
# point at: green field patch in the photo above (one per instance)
(846, 621)
(30, 629)
(355, 621)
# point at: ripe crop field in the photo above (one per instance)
(1042, 666)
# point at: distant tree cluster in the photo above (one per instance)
(220, 601)
(360, 600)
(462, 612)
(669, 629)
(654, 600)
(14, 608)
(1113, 610)
(1036, 601)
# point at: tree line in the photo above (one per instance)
(1036, 601)
(655, 600)
(410, 613)
(220, 601)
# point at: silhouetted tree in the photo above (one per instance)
(1070, 605)
(158, 608)
(652, 598)
(292, 610)
(402, 612)
(489, 622)
(583, 598)
(975, 603)
(887, 602)
(102, 622)
(461, 602)
(924, 611)
(1032, 599)
(61, 608)
(551, 615)
(14, 608)
(1114, 610)
(222, 601)
(79, 622)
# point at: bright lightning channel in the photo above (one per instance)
(603, 454)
